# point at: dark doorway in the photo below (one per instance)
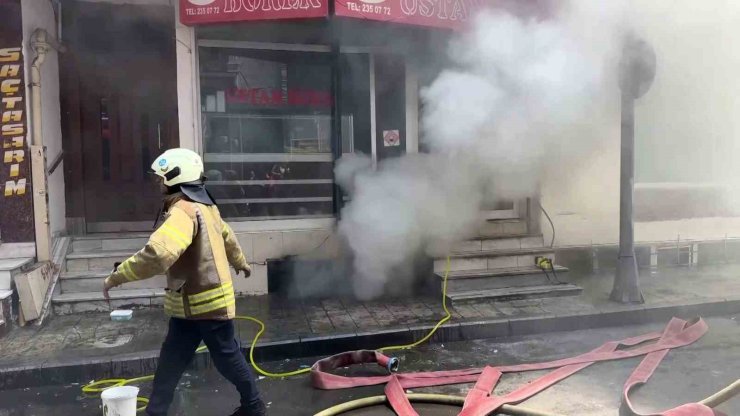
(119, 111)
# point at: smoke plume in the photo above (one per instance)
(518, 92)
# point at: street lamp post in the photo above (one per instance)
(636, 75)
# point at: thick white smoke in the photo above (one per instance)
(517, 92)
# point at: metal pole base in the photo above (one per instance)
(626, 288)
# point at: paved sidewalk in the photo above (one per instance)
(688, 374)
(82, 347)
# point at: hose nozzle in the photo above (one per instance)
(543, 263)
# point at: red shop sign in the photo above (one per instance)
(276, 97)
(452, 14)
(218, 11)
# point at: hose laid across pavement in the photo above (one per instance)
(712, 401)
(425, 398)
(97, 387)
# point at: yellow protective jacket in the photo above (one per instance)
(195, 247)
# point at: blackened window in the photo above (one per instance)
(267, 132)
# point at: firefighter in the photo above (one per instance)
(194, 246)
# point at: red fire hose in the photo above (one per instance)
(480, 400)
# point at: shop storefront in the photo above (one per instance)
(271, 93)
(284, 88)
(281, 101)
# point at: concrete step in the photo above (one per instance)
(6, 304)
(9, 268)
(98, 260)
(109, 242)
(492, 259)
(469, 280)
(91, 281)
(81, 302)
(512, 293)
(513, 242)
(502, 228)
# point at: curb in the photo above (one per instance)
(137, 364)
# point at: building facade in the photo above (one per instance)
(271, 101)
(271, 93)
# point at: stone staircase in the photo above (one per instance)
(80, 286)
(499, 264)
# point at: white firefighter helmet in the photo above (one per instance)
(178, 166)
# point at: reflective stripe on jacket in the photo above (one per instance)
(195, 247)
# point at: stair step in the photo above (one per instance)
(484, 273)
(97, 254)
(123, 241)
(499, 279)
(502, 253)
(98, 260)
(91, 281)
(84, 275)
(505, 220)
(111, 236)
(5, 306)
(513, 242)
(81, 302)
(522, 235)
(492, 259)
(11, 267)
(121, 294)
(501, 228)
(511, 293)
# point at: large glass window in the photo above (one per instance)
(355, 102)
(267, 132)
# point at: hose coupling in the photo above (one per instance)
(393, 365)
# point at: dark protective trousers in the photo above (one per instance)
(178, 350)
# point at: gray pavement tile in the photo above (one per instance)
(468, 311)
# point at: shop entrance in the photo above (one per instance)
(119, 111)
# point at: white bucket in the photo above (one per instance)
(120, 401)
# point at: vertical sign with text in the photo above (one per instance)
(16, 201)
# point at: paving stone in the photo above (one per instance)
(436, 305)
(332, 305)
(382, 315)
(422, 311)
(319, 322)
(341, 321)
(506, 308)
(526, 302)
(468, 311)
(401, 312)
(361, 317)
(487, 310)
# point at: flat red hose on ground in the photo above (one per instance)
(481, 401)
